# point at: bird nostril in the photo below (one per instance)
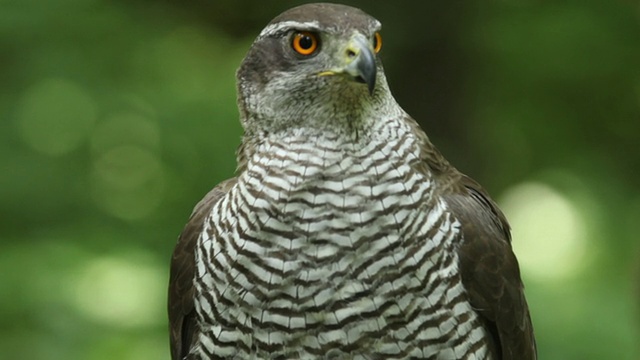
(351, 53)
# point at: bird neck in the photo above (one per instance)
(344, 109)
(320, 142)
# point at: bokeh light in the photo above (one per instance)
(122, 291)
(55, 116)
(125, 128)
(548, 231)
(128, 181)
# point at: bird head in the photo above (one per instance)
(316, 67)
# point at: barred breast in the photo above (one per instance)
(329, 249)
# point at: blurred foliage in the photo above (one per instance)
(118, 116)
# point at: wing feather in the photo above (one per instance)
(182, 317)
(490, 271)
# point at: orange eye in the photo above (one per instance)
(305, 43)
(377, 42)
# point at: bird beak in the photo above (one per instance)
(360, 63)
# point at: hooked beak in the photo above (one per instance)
(359, 63)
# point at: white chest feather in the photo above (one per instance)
(320, 247)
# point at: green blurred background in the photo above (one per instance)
(117, 116)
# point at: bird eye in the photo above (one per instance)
(377, 42)
(305, 43)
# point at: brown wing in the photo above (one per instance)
(490, 271)
(182, 317)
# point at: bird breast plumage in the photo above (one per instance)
(331, 249)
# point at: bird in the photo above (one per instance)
(345, 233)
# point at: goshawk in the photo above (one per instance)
(345, 234)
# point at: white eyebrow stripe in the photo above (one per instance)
(277, 27)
